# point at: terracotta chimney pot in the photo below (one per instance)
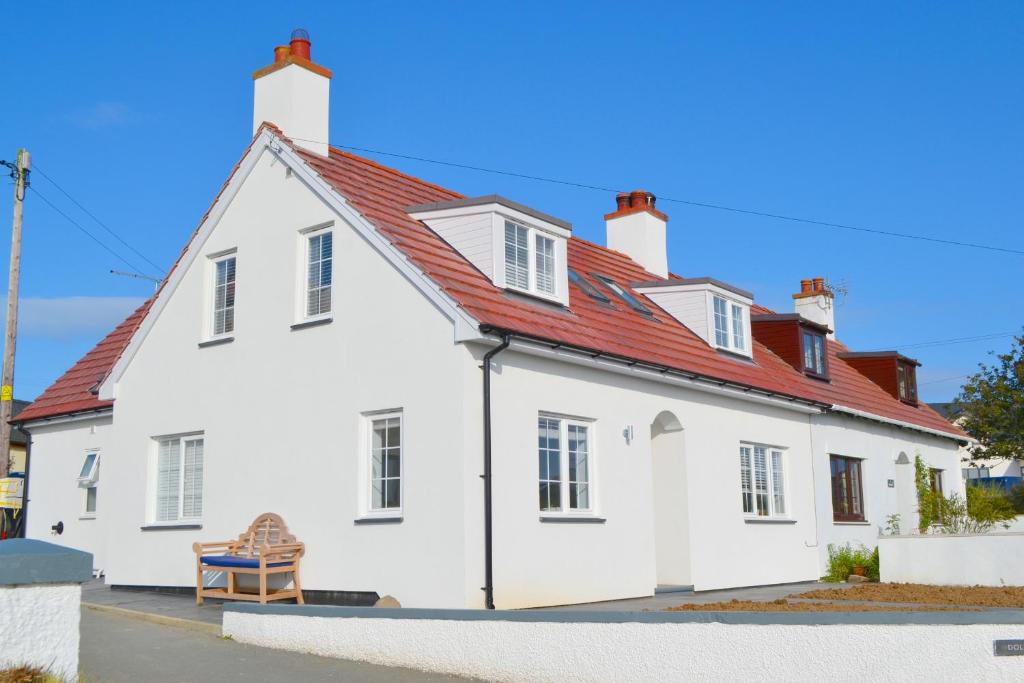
(281, 53)
(622, 201)
(300, 44)
(805, 286)
(819, 284)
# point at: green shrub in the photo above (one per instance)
(984, 508)
(1016, 496)
(842, 559)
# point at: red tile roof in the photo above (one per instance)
(74, 391)
(382, 194)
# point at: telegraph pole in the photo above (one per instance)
(19, 171)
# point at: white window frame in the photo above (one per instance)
(367, 510)
(153, 504)
(732, 321)
(770, 472)
(86, 512)
(214, 264)
(90, 477)
(302, 272)
(558, 273)
(565, 421)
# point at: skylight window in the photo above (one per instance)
(588, 289)
(620, 292)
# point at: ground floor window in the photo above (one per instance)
(762, 481)
(90, 500)
(565, 449)
(179, 479)
(386, 462)
(847, 490)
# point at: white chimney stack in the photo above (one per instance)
(815, 303)
(293, 93)
(637, 229)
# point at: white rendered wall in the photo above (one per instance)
(543, 563)
(280, 410)
(641, 236)
(995, 559)
(58, 452)
(39, 627)
(297, 101)
(879, 446)
(556, 652)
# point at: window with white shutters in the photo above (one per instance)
(224, 296)
(531, 262)
(319, 273)
(179, 479)
(762, 481)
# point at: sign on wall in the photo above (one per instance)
(11, 489)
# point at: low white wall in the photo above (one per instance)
(586, 649)
(39, 627)
(995, 559)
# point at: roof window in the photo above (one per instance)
(587, 288)
(616, 289)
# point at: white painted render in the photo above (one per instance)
(561, 651)
(39, 624)
(879, 446)
(281, 409)
(693, 305)
(641, 236)
(995, 559)
(58, 450)
(297, 101)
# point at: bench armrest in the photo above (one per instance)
(282, 551)
(224, 546)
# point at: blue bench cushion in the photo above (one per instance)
(234, 561)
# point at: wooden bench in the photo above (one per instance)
(265, 548)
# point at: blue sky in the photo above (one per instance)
(902, 117)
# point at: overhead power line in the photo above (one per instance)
(947, 342)
(688, 202)
(100, 223)
(944, 379)
(87, 233)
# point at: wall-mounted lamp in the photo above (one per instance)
(627, 433)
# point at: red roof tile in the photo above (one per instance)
(75, 391)
(382, 194)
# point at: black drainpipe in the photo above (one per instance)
(486, 476)
(24, 486)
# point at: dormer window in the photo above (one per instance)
(715, 311)
(529, 259)
(729, 326)
(813, 353)
(520, 249)
(906, 382)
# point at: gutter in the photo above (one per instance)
(486, 476)
(897, 423)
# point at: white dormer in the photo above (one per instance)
(715, 311)
(518, 248)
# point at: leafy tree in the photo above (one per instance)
(992, 406)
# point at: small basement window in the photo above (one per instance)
(813, 352)
(621, 292)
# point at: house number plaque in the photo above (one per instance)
(1008, 648)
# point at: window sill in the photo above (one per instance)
(313, 322)
(379, 519)
(216, 342)
(87, 516)
(851, 522)
(736, 355)
(171, 526)
(572, 519)
(769, 520)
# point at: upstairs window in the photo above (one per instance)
(906, 382)
(730, 326)
(813, 353)
(319, 273)
(224, 296)
(529, 262)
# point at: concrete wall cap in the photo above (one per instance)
(25, 561)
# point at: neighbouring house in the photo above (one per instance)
(1001, 472)
(454, 401)
(19, 440)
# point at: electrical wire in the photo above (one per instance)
(87, 233)
(93, 216)
(947, 342)
(688, 202)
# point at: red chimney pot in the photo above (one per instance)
(300, 44)
(622, 200)
(805, 286)
(819, 284)
(281, 53)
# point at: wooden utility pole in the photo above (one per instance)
(20, 171)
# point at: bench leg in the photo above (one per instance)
(231, 582)
(263, 588)
(298, 586)
(199, 582)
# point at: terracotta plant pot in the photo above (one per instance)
(860, 571)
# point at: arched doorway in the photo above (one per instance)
(671, 516)
(906, 493)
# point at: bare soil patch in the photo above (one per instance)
(979, 596)
(787, 606)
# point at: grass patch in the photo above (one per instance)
(27, 674)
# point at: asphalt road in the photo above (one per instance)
(117, 649)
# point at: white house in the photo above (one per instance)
(455, 401)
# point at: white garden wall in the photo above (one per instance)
(995, 559)
(614, 647)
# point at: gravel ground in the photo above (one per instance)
(789, 606)
(960, 596)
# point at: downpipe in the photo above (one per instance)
(486, 476)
